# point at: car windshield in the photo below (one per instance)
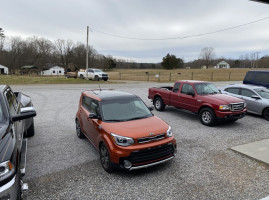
(206, 88)
(124, 110)
(98, 70)
(263, 92)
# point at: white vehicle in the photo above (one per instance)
(93, 74)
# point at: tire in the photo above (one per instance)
(81, 76)
(96, 78)
(78, 130)
(207, 117)
(105, 79)
(265, 113)
(31, 130)
(158, 104)
(105, 159)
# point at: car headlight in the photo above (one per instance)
(122, 140)
(224, 107)
(245, 104)
(6, 170)
(169, 132)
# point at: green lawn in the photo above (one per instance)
(18, 80)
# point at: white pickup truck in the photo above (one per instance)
(94, 74)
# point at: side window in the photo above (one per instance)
(86, 103)
(249, 76)
(94, 107)
(186, 88)
(262, 77)
(233, 90)
(247, 93)
(12, 101)
(176, 87)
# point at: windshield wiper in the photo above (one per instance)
(135, 118)
(115, 120)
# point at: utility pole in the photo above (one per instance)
(87, 54)
(257, 59)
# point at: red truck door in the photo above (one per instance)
(187, 99)
(174, 98)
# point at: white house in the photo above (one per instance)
(222, 64)
(3, 69)
(57, 71)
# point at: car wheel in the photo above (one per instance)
(158, 104)
(207, 117)
(265, 113)
(78, 130)
(96, 78)
(105, 158)
(81, 76)
(31, 130)
(105, 79)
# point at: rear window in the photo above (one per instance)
(262, 77)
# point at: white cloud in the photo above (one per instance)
(143, 19)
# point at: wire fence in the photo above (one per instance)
(173, 76)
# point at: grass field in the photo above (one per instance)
(180, 74)
(156, 75)
(15, 80)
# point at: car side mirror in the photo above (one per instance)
(25, 113)
(255, 97)
(190, 93)
(94, 116)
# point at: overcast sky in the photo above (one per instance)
(144, 19)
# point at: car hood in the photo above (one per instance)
(137, 128)
(221, 99)
(100, 73)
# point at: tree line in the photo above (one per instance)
(16, 52)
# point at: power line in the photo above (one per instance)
(182, 37)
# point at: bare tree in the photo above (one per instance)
(207, 55)
(2, 33)
(15, 46)
(64, 50)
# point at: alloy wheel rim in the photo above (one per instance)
(158, 104)
(104, 157)
(206, 116)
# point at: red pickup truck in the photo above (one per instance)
(199, 97)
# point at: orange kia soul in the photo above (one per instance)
(124, 131)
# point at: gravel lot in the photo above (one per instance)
(62, 166)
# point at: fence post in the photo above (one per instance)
(159, 76)
(230, 76)
(212, 76)
(170, 76)
(191, 75)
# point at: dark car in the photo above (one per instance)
(16, 123)
(260, 78)
(124, 131)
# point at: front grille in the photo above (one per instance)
(237, 106)
(104, 75)
(150, 155)
(148, 139)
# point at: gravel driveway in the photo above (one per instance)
(62, 166)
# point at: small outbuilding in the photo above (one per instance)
(3, 69)
(222, 65)
(53, 71)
